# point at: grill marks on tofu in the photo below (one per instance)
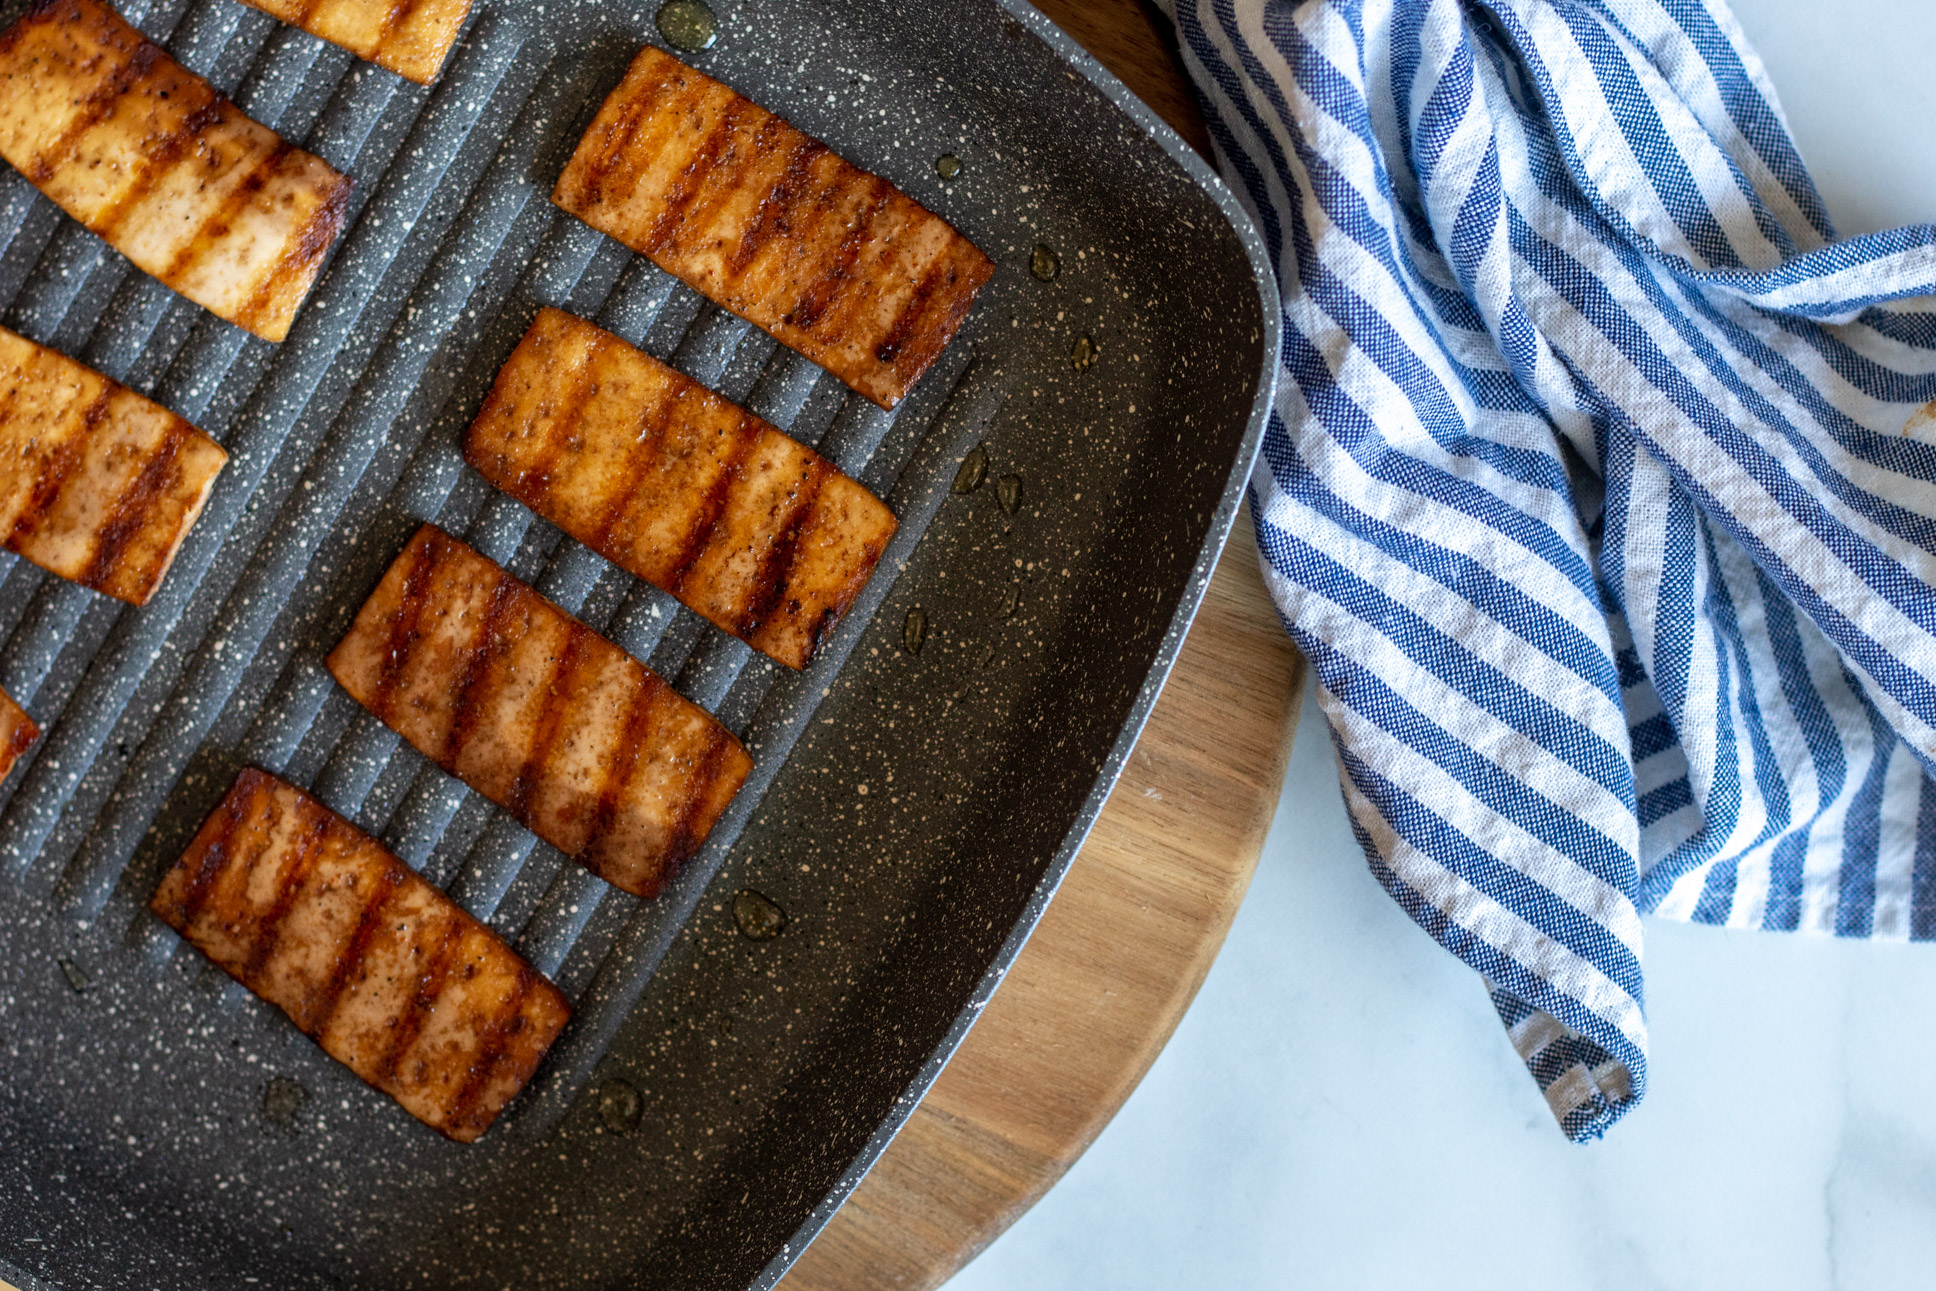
(97, 484)
(664, 478)
(410, 37)
(147, 155)
(17, 733)
(385, 972)
(582, 744)
(768, 222)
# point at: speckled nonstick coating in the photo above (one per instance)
(910, 813)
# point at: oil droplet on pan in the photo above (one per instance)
(688, 25)
(758, 916)
(1085, 353)
(283, 1101)
(619, 1106)
(1009, 490)
(1043, 264)
(914, 630)
(974, 469)
(947, 165)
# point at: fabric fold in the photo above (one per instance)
(1593, 490)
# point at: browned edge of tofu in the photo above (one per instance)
(412, 38)
(150, 157)
(390, 976)
(770, 223)
(679, 486)
(97, 484)
(17, 733)
(581, 743)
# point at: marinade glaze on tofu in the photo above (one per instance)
(664, 478)
(17, 733)
(768, 222)
(410, 37)
(585, 746)
(97, 484)
(146, 154)
(385, 972)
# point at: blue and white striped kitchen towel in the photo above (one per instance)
(1594, 491)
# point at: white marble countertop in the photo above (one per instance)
(1340, 1108)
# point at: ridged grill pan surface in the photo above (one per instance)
(910, 810)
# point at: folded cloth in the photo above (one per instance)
(1594, 491)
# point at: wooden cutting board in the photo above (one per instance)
(1121, 950)
(1127, 940)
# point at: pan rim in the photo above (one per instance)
(1188, 578)
(1222, 520)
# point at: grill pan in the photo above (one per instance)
(911, 810)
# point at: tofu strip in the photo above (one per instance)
(768, 222)
(584, 745)
(146, 154)
(410, 37)
(385, 972)
(664, 478)
(17, 733)
(97, 484)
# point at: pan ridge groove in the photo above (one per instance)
(482, 867)
(348, 436)
(290, 387)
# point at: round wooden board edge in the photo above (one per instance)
(1112, 966)
(1122, 949)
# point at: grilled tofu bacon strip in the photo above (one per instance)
(662, 477)
(582, 744)
(765, 220)
(410, 37)
(146, 154)
(97, 484)
(17, 733)
(385, 972)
